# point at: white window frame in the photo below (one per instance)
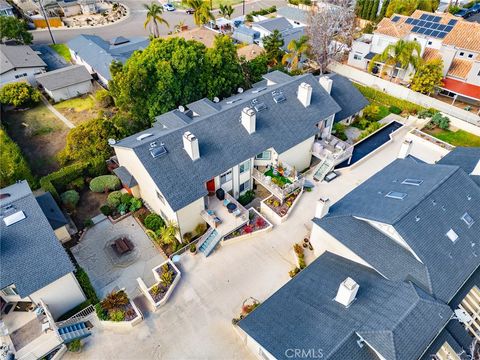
(262, 157)
(245, 187)
(10, 291)
(245, 166)
(227, 175)
(160, 197)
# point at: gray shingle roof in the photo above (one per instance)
(465, 157)
(61, 78)
(292, 34)
(224, 142)
(125, 177)
(31, 256)
(397, 319)
(18, 56)
(422, 219)
(293, 14)
(279, 23)
(347, 96)
(277, 77)
(52, 212)
(99, 53)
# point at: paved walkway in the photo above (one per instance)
(55, 112)
(196, 322)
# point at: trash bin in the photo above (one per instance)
(220, 194)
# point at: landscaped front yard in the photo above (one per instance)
(40, 135)
(456, 138)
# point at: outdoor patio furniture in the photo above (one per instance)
(226, 202)
(231, 207)
(220, 194)
(237, 212)
(122, 246)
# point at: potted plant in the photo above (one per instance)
(193, 249)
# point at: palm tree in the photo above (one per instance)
(179, 26)
(202, 11)
(402, 54)
(296, 49)
(154, 11)
(165, 235)
(226, 10)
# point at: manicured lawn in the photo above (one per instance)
(278, 179)
(39, 134)
(79, 109)
(62, 50)
(456, 138)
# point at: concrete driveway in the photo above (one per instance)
(196, 322)
(133, 25)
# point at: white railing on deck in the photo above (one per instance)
(82, 315)
(277, 191)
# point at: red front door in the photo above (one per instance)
(211, 186)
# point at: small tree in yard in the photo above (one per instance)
(442, 121)
(19, 94)
(12, 28)
(331, 29)
(428, 76)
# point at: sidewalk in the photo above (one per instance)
(404, 93)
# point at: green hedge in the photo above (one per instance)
(61, 180)
(105, 182)
(381, 98)
(86, 285)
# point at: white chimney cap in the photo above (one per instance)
(347, 291)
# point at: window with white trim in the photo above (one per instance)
(471, 305)
(160, 196)
(10, 291)
(245, 166)
(226, 177)
(357, 57)
(265, 155)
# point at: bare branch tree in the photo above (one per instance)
(331, 30)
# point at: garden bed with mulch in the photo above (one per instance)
(158, 291)
(279, 208)
(255, 223)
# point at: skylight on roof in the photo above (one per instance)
(143, 136)
(278, 96)
(468, 219)
(396, 195)
(260, 107)
(414, 182)
(14, 218)
(158, 151)
(452, 235)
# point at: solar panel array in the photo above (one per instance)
(429, 25)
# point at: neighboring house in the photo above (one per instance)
(441, 36)
(6, 9)
(244, 34)
(288, 31)
(55, 216)
(294, 15)
(194, 151)
(398, 271)
(72, 8)
(19, 63)
(37, 284)
(97, 54)
(65, 83)
(200, 34)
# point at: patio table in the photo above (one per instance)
(231, 207)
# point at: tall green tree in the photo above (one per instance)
(374, 10)
(428, 77)
(12, 28)
(254, 69)
(404, 53)
(296, 49)
(19, 94)
(224, 73)
(202, 11)
(383, 10)
(272, 45)
(226, 10)
(153, 18)
(402, 7)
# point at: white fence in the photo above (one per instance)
(404, 93)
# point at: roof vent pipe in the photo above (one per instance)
(304, 94)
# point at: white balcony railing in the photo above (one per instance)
(279, 192)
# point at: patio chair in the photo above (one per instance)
(237, 212)
(226, 202)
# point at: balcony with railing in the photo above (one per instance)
(280, 192)
(332, 149)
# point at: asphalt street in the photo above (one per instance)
(133, 25)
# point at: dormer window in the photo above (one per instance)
(468, 220)
(452, 235)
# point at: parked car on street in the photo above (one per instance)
(190, 11)
(464, 13)
(168, 7)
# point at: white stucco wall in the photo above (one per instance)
(9, 77)
(298, 156)
(189, 216)
(70, 91)
(62, 234)
(322, 241)
(61, 295)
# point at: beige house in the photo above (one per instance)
(37, 284)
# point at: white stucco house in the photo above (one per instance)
(19, 63)
(37, 283)
(65, 83)
(441, 36)
(191, 154)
